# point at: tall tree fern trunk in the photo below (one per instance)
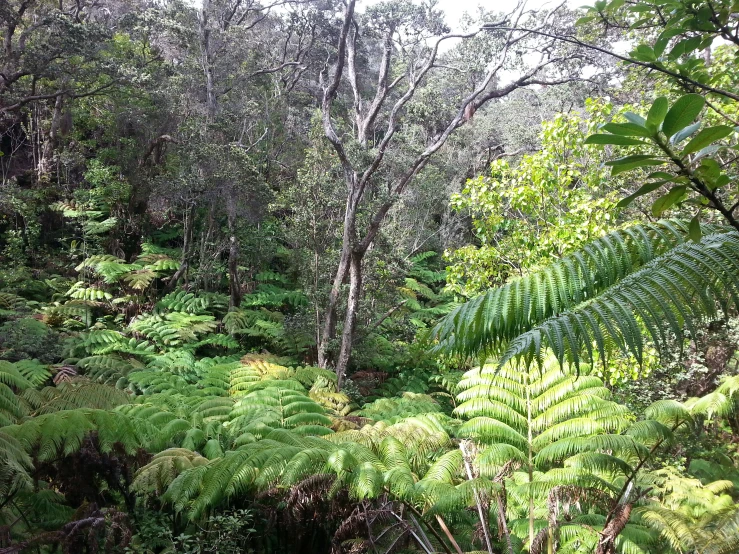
(478, 501)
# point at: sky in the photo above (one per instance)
(455, 9)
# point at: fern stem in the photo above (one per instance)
(444, 528)
(420, 517)
(420, 542)
(480, 511)
(530, 459)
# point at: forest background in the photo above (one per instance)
(313, 276)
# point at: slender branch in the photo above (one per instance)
(377, 323)
(648, 65)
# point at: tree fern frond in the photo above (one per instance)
(490, 320)
(618, 310)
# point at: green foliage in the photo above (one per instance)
(28, 338)
(692, 172)
(692, 516)
(534, 213)
(11, 381)
(392, 410)
(530, 418)
(643, 280)
(263, 316)
(50, 436)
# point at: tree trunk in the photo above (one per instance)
(234, 285)
(207, 60)
(350, 319)
(47, 151)
(330, 315)
(607, 542)
(186, 246)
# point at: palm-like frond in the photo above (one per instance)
(540, 413)
(646, 279)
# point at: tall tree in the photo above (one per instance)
(409, 39)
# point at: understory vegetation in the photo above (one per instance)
(367, 278)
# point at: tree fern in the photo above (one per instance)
(394, 409)
(164, 467)
(645, 279)
(34, 371)
(50, 436)
(72, 394)
(11, 381)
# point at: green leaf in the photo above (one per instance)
(627, 130)
(657, 113)
(707, 151)
(644, 53)
(722, 180)
(613, 139)
(636, 119)
(682, 113)
(682, 134)
(661, 175)
(706, 137)
(684, 47)
(628, 160)
(694, 228)
(668, 200)
(644, 189)
(709, 170)
(632, 162)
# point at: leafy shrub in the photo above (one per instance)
(28, 338)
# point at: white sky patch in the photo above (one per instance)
(455, 9)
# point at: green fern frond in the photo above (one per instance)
(640, 279)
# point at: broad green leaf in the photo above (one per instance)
(706, 137)
(632, 162)
(639, 8)
(628, 160)
(627, 130)
(668, 200)
(722, 180)
(613, 139)
(660, 175)
(685, 46)
(635, 119)
(707, 151)
(694, 228)
(684, 133)
(709, 170)
(644, 53)
(664, 39)
(657, 113)
(644, 189)
(682, 113)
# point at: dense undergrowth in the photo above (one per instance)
(313, 276)
(151, 421)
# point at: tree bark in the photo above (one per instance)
(234, 285)
(207, 61)
(607, 542)
(350, 319)
(47, 151)
(330, 315)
